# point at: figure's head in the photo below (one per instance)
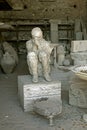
(37, 33)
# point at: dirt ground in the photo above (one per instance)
(12, 116)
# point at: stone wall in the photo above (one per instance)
(49, 9)
(38, 13)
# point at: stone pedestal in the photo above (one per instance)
(78, 93)
(30, 92)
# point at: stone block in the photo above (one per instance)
(79, 58)
(30, 92)
(79, 46)
(79, 62)
(48, 108)
(78, 94)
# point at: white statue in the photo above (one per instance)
(38, 52)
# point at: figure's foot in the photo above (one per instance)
(47, 77)
(35, 79)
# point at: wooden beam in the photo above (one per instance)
(15, 4)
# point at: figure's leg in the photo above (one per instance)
(32, 62)
(44, 59)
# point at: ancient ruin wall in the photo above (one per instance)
(49, 9)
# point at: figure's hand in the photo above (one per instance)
(36, 41)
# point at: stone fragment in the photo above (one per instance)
(78, 94)
(49, 108)
(79, 58)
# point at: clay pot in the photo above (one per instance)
(8, 63)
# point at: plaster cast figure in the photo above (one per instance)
(8, 48)
(38, 51)
(61, 55)
(9, 58)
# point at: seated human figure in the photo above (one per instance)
(38, 52)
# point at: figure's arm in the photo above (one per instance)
(29, 46)
(48, 48)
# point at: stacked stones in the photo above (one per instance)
(79, 52)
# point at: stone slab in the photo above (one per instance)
(29, 92)
(80, 62)
(78, 94)
(79, 55)
(79, 46)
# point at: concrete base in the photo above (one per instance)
(29, 92)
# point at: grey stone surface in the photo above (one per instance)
(79, 58)
(79, 62)
(79, 55)
(78, 94)
(29, 92)
(49, 108)
(79, 46)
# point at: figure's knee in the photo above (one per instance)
(43, 54)
(31, 56)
